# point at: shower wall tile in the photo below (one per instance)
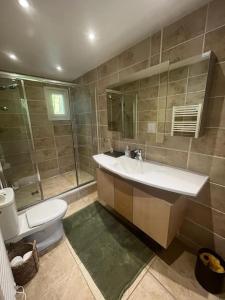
(180, 40)
(44, 143)
(37, 107)
(62, 130)
(14, 106)
(66, 163)
(45, 154)
(34, 92)
(48, 168)
(42, 131)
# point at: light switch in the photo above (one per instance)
(151, 128)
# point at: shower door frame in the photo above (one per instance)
(21, 78)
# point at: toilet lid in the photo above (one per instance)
(45, 212)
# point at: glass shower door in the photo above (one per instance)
(84, 128)
(16, 164)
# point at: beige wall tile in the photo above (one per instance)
(135, 54)
(207, 217)
(105, 82)
(212, 195)
(215, 41)
(37, 107)
(155, 60)
(130, 70)
(155, 43)
(177, 87)
(186, 28)
(44, 143)
(197, 83)
(203, 237)
(150, 115)
(150, 81)
(218, 80)
(209, 165)
(185, 50)
(34, 92)
(216, 112)
(111, 66)
(45, 154)
(149, 92)
(147, 104)
(178, 74)
(195, 98)
(62, 130)
(12, 120)
(66, 163)
(211, 143)
(199, 68)
(175, 100)
(90, 76)
(42, 131)
(216, 14)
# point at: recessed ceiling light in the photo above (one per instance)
(91, 36)
(12, 56)
(59, 68)
(24, 3)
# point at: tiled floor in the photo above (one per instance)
(52, 186)
(170, 274)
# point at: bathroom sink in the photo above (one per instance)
(154, 174)
(114, 153)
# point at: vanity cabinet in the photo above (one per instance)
(105, 185)
(123, 198)
(157, 212)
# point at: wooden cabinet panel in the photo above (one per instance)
(158, 213)
(123, 198)
(105, 185)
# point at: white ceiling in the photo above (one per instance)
(54, 32)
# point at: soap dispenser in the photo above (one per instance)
(127, 151)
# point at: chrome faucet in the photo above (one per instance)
(137, 154)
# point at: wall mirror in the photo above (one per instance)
(122, 113)
(166, 99)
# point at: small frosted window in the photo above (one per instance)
(57, 103)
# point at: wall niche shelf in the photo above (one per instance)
(160, 68)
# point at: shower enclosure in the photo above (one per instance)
(46, 137)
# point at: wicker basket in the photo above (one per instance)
(25, 272)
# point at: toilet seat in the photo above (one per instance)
(45, 212)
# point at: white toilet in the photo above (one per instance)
(42, 222)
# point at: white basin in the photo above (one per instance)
(154, 174)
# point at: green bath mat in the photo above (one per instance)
(111, 253)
